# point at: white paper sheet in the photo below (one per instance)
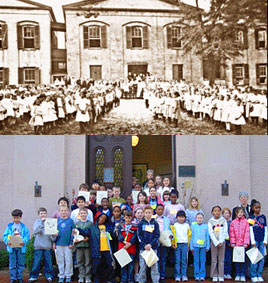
(51, 226)
(164, 238)
(15, 241)
(239, 254)
(254, 255)
(150, 257)
(122, 257)
(100, 196)
(84, 194)
(135, 196)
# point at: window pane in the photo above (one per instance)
(28, 36)
(136, 32)
(175, 35)
(94, 32)
(99, 165)
(62, 65)
(239, 71)
(118, 167)
(136, 42)
(29, 75)
(263, 70)
(1, 75)
(94, 43)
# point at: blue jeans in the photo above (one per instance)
(106, 259)
(127, 271)
(181, 253)
(162, 255)
(199, 262)
(16, 264)
(37, 259)
(256, 269)
(228, 258)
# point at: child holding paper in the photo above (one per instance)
(148, 235)
(83, 251)
(127, 236)
(116, 200)
(183, 236)
(16, 255)
(42, 247)
(172, 208)
(101, 253)
(63, 246)
(218, 232)
(240, 237)
(164, 225)
(258, 237)
(83, 188)
(226, 213)
(199, 245)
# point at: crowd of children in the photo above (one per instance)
(44, 107)
(220, 105)
(118, 224)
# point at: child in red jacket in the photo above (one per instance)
(127, 236)
(240, 237)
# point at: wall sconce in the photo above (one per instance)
(135, 141)
(225, 189)
(37, 190)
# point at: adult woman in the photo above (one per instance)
(243, 197)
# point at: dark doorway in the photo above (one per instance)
(137, 69)
(95, 72)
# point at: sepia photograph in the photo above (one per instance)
(133, 67)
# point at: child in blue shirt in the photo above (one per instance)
(63, 246)
(258, 238)
(199, 245)
(16, 255)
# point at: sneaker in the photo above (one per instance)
(68, 280)
(243, 279)
(221, 279)
(177, 279)
(61, 280)
(229, 277)
(49, 279)
(237, 278)
(254, 279)
(88, 281)
(81, 280)
(197, 279)
(202, 279)
(32, 279)
(184, 278)
(260, 279)
(215, 279)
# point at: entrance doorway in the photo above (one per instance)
(95, 72)
(137, 69)
(113, 159)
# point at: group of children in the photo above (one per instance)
(119, 224)
(220, 105)
(44, 107)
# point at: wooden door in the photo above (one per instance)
(95, 72)
(110, 151)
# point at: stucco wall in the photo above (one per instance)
(13, 58)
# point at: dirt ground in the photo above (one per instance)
(131, 117)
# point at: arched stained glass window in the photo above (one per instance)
(99, 165)
(118, 167)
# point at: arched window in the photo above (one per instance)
(137, 36)
(95, 36)
(118, 166)
(28, 35)
(99, 165)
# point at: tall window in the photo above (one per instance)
(261, 70)
(261, 38)
(28, 35)
(94, 36)
(99, 165)
(240, 74)
(29, 75)
(174, 35)
(1, 76)
(240, 37)
(118, 167)
(3, 35)
(137, 37)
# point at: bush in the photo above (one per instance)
(4, 259)
(29, 254)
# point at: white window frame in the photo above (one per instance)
(263, 34)
(176, 32)
(133, 35)
(91, 37)
(29, 81)
(26, 36)
(263, 66)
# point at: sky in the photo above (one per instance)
(57, 5)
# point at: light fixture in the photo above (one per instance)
(135, 141)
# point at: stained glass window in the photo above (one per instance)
(99, 165)
(118, 167)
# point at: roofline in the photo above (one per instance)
(38, 7)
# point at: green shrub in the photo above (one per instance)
(29, 254)
(4, 258)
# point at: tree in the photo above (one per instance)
(212, 34)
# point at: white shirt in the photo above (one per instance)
(75, 213)
(223, 233)
(182, 232)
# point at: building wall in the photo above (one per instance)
(13, 58)
(116, 57)
(240, 160)
(56, 162)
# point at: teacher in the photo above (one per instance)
(243, 197)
